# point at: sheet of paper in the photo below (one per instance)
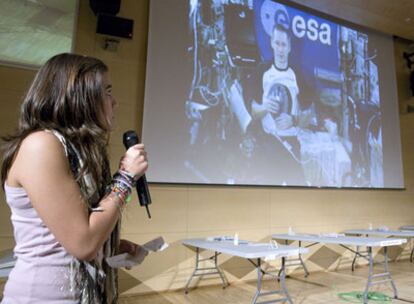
(128, 260)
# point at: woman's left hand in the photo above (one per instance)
(126, 246)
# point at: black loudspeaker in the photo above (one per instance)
(115, 26)
(110, 7)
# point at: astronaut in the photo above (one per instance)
(279, 108)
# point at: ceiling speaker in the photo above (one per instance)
(110, 7)
(115, 26)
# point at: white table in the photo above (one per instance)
(398, 233)
(345, 242)
(7, 262)
(252, 251)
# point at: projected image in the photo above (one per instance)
(293, 97)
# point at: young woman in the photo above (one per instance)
(65, 205)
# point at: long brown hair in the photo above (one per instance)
(66, 95)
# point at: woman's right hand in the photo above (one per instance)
(135, 161)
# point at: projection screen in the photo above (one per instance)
(257, 92)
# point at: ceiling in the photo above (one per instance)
(37, 29)
(31, 31)
(395, 17)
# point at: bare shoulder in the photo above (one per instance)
(41, 143)
(38, 152)
(42, 147)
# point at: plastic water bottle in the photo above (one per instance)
(236, 239)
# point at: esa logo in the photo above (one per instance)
(302, 26)
(311, 29)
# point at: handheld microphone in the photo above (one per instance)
(130, 139)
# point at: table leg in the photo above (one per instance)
(355, 257)
(194, 271)
(385, 276)
(201, 271)
(301, 262)
(222, 276)
(283, 281)
(388, 273)
(281, 278)
(358, 254)
(259, 281)
(371, 269)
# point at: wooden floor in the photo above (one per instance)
(318, 288)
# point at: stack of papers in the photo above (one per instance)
(127, 260)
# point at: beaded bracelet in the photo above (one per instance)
(128, 176)
(121, 185)
(123, 193)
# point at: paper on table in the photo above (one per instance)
(383, 228)
(220, 238)
(331, 234)
(128, 260)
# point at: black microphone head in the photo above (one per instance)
(130, 138)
